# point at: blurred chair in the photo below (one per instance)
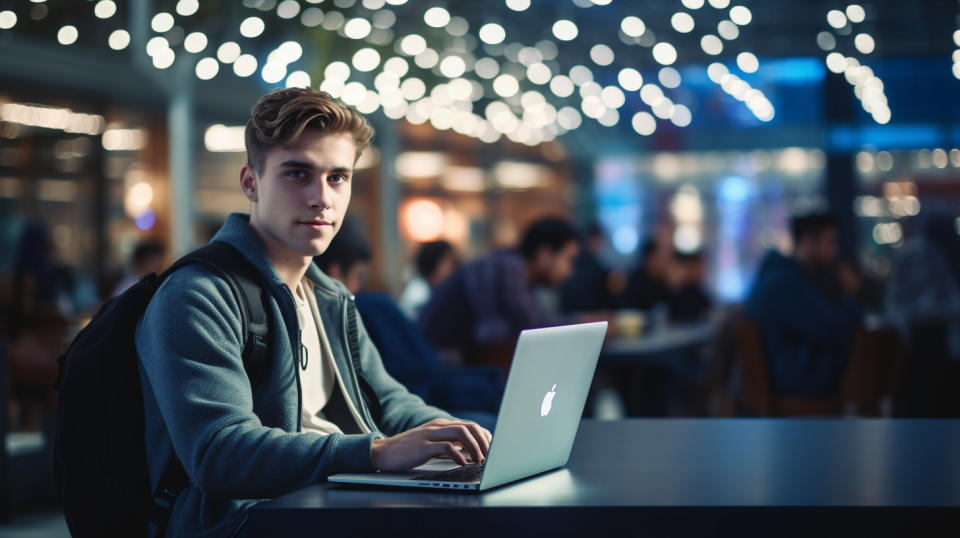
(931, 375)
(873, 377)
(871, 374)
(408, 357)
(32, 370)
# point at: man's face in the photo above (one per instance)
(556, 266)
(446, 267)
(826, 246)
(301, 197)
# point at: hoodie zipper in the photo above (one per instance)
(345, 337)
(297, 349)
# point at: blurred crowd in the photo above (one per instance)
(813, 335)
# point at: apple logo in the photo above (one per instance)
(548, 402)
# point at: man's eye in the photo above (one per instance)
(338, 178)
(297, 174)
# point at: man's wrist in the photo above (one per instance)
(375, 446)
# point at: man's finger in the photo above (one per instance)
(447, 449)
(471, 444)
(478, 433)
(458, 433)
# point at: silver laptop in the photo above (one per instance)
(542, 404)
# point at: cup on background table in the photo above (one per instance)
(629, 323)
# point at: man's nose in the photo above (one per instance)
(320, 193)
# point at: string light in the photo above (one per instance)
(207, 68)
(867, 87)
(104, 9)
(515, 70)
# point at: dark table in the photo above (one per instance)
(659, 372)
(697, 477)
(666, 340)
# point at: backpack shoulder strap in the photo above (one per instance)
(353, 334)
(244, 280)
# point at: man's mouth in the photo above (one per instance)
(316, 224)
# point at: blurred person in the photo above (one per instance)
(435, 261)
(807, 319)
(148, 257)
(943, 230)
(588, 289)
(922, 301)
(924, 284)
(647, 284)
(687, 300)
(241, 440)
(347, 259)
(865, 290)
(476, 315)
(37, 326)
(39, 286)
(472, 394)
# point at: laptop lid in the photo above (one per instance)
(546, 390)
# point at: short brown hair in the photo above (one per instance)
(280, 117)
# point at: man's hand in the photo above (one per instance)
(437, 438)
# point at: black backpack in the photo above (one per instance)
(100, 462)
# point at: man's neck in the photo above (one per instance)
(291, 275)
(289, 265)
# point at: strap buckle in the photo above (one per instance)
(164, 498)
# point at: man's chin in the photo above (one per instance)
(317, 248)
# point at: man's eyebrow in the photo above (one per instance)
(303, 164)
(295, 164)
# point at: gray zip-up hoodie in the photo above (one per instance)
(241, 446)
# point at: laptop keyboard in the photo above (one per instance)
(470, 472)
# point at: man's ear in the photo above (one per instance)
(248, 182)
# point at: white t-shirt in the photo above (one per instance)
(319, 378)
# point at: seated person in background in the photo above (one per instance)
(36, 325)
(922, 287)
(347, 258)
(436, 260)
(687, 300)
(807, 323)
(471, 393)
(148, 257)
(923, 302)
(477, 314)
(647, 284)
(588, 290)
(869, 295)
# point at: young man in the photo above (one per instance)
(807, 322)
(242, 440)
